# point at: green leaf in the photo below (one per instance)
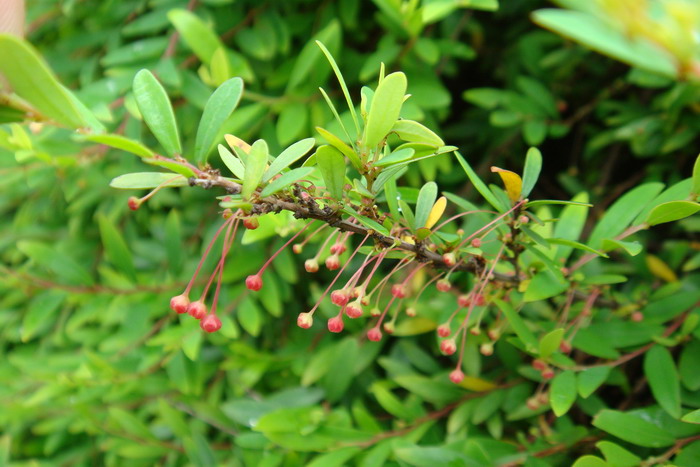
(366, 221)
(617, 456)
(543, 202)
(600, 36)
(633, 429)
(250, 316)
(695, 190)
(518, 325)
(692, 417)
(544, 285)
(386, 105)
(285, 180)
(562, 392)
(232, 162)
(576, 245)
(147, 180)
(632, 248)
(289, 156)
(590, 379)
(130, 424)
(660, 370)
(120, 142)
(409, 130)
(343, 86)
(426, 199)
(332, 166)
(479, 185)
(550, 342)
(590, 461)
(199, 37)
(65, 267)
(308, 64)
(396, 157)
(622, 212)
(341, 146)
(32, 80)
(534, 131)
(40, 313)
(570, 225)
(688, 365)
(672, 211)
(292, 121)
(217, 110)
(156, 110)
(255, 167)
(116, 249)
(533, 166)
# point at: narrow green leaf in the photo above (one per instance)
(479, 185)
(533, 167)
(695, 190)
(562, 392)
(590, 379)
(366, 221)
(116, 249)
(255, 167)
(232, 162)
(396, 157)
(632, 248)
(332, 166)
(289, 156)
(577, 245)
(343, 86)
(518, 324)
(672, 211)
(308, 63)
(544, 285)
(285, 180)
(197, 35)
(335, 114)
(543, 202)
(154, 105)
(660, 370)
(550, 342)
(41, 313)
(217, 110)
(409, 130)
(129, 423)
(341, 146)
(386, 105)
(147, 180)
(32, 80)
(120, 142)
(692, 417)
(633, 429)
(426, 199)
(590, 461)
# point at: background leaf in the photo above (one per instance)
(156, 110)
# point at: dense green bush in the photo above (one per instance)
(560, 183)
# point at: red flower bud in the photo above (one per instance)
(448, 346)
(340, 297)
(456, 376)
(523, 219)
(398, 290)
(476, 243)
(637, 316)
(548, 373)
(354, 309)
(338, 248)
(254, 283)
(305, 320)
(210, 323)
(449, 259)
(335, 324)
(374, 334)
(179, 303)
(134, 203)
(311, 265)
(444, 330)
(539, 365)
(333, 262)
(479, 300)
(197, 310)
(565, 346)
(251, 223)
(463, 301)
(443, 285)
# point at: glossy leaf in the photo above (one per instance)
(147, 180)
(121, 142)
(218, 108)
(695, 189)
(576, 245)
(156, 111)
(544, 285)
(660, 370)
(672, 211)
(692, 417)
(386, 105)
(232, 162)
(341, 146)
(518, 324)
(479, 185)
(332, 166)
(285, 180)
(550, 342)
(343, 86)
(199, 37)
(289, 156)
(255, 166)
(409, 130)
(436, 212)
(590, 379)
(396, 157)
(562, 392)
(632, 248)
(633, 429)
(426, 200)
(32, 80)
(531, 172)
(617, 455)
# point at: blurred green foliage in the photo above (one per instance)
(94, 369)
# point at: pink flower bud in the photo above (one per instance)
(456, 376)
(476, 243)
(297, 248)
(254, 283)
(444, 330)
(374, 334)
(305, 320)
(449, 259)
(134, 203)
(523, 219)
(637, 316)
(210, 323)
(448, 346)
(479, 300)
(375, 311)
(338, 248)
(463, 301)
(398, 290)
(443, 285)
(548, 373)
(251, 223)
(539, 365)
(179, 303)
(565, 346)
(354, 309)
(333, 262)
(311, 265)
(197, 310)
(340, 297)
(335, 324)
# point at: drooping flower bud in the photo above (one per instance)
(411, 312)
(448, 346)
(449, 259)
(354, 309)
(333, 262)
(398, 290)
(179, 303)
(197, 310)
(311, 265)
(254, 282)
(134, 203)
(335, 324)
(463, 301)
(444, 330)
(443, 285)
(456, 376)
(305, 320)
(251, 223)
(374, 334)
(340, 297)
(210, 323)
(476, 243)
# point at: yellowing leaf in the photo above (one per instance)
(436, 212)
(477, 384)
(660, 269)
(512, 181)
(236, 142)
